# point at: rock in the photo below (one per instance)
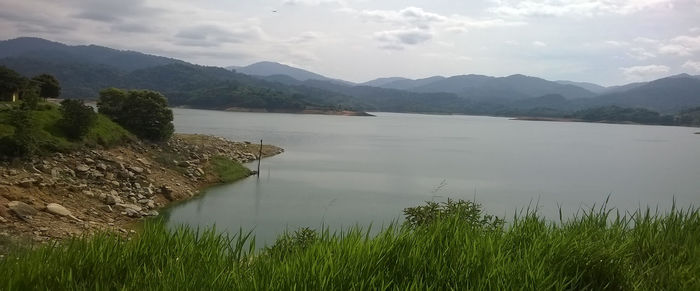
(88, 193)
(137, 170)
(4, 212)
(101, 166)
(111, 199)
(21, 209)
(115, 183)
(130, 206)
(58, 209)
(167, 192)
(89, 161)
(200, 171)
(150, 204)
(132, 213)
(183, 164)
(56, 172)
(143, 162)
(82, 168)
(27, 182)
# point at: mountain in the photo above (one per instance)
(41, 49)
(667, 95)
(266, 69)
(595, 88)
(380, 82)
(513, 87)
(408, 84)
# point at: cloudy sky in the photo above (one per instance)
(609, 42)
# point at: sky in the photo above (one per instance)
(609, 42)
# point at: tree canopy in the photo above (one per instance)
(48, 86)
(143, 112)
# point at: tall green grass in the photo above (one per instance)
(456, 249)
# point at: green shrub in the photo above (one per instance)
(77, 118)
(23, 141)
(143, 112)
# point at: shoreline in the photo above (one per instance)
(72, 194)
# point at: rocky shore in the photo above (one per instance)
(68, 194)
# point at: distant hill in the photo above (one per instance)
(266, 69)
(595, 88)
(380, 82)
(667, 95)
(84, 70)
(58, 53)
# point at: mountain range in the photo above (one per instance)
(84, 70)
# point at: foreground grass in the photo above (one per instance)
(228, 170)
(444, 247)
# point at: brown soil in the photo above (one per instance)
(141, 177)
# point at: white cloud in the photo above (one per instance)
(681, 46)
(539, 43)
(586, 8)
(311, 2)
(692, 65)
(641, 54)
(404, 36)
(414, 25)
(637, 73)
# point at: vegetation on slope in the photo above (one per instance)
(451, 246)
(228, 170)
(41, 131)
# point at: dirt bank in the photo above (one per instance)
(69, 194)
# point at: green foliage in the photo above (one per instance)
(25, 132)
(228, 170)
(77, 118)
(23, 141)
(469, 212)
(620, 114)
(30, 97)
(595, 251)
(48, 86)
(143, 112)
(10, 82)
(689, 117)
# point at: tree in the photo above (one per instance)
(10, 82)
(77, 119)
(143, 112)
(29, 95)
(23, 141)
(48, 86)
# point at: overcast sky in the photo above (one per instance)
(608, 42)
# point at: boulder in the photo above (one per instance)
(4, 212)
(58, 209)
(82, 168)
(111, 199)
(21, 209)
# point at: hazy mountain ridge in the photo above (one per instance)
(54, 52)
(215, 87)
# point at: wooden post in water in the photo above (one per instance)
(259, 157)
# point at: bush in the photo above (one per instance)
(466, 211)
(23, 141)
(143, 112)
(77, 119)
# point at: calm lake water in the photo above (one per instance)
(341, 171)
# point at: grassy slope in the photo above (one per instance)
(228, 170)
(51, 138)
(596, 251)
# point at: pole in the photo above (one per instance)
(259, 157)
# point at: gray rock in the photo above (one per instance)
(137, 170)
(101, 166)
(58, 209)
(112, 199)
(27, 182)
(21, 209)
(82, 168)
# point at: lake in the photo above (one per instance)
(340, 171)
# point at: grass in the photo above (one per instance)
(50, 138)
(228, 170)
(454, 249)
